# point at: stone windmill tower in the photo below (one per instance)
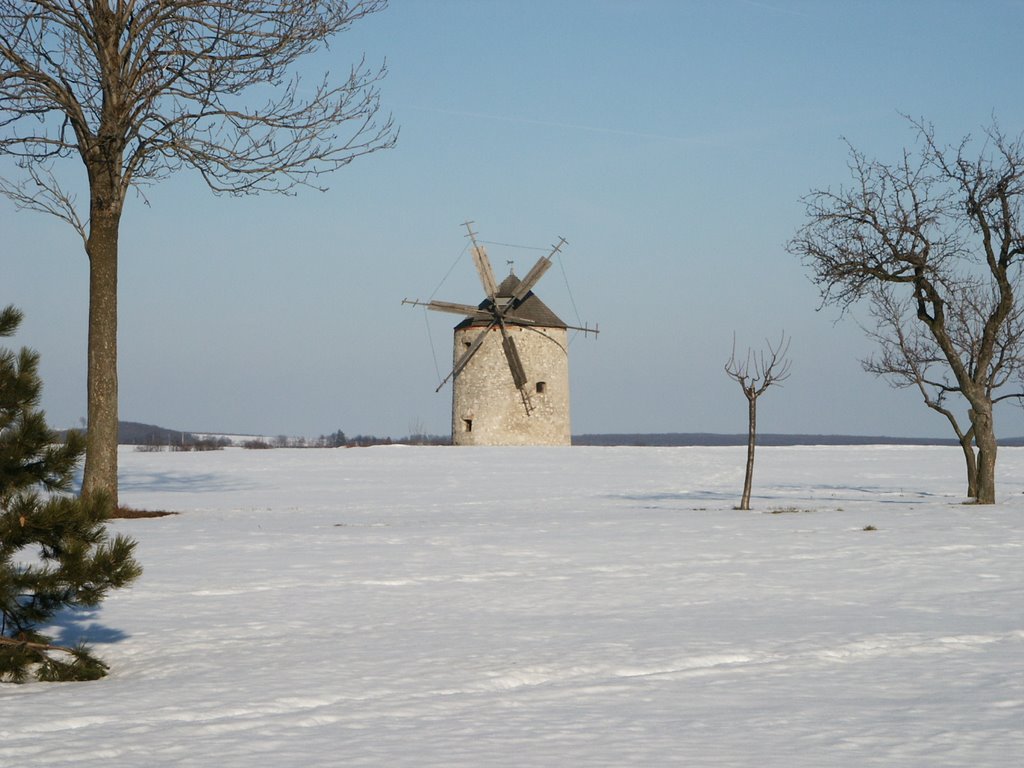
(510, 379)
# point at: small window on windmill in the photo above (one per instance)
(541, 387)
(467, 343)
(467, 425)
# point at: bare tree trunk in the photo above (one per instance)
(972, 469)
(967, 446)
(101, 440)
(985, 438)
(966, 440)
(748, 477)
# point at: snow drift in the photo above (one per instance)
(550, 606)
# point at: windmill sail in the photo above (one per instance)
(536, 273)
(515, 363)
(513, 307)
(485, 270)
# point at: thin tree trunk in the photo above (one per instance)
(966, 445)
(748, 478)
(101, 439)
(972, 468)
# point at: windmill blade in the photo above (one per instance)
(532, 277)
(486, 271)
(515, 363)
(585, 328)
(483, 264)
(537, 271)
(467, 310)
(467, 355)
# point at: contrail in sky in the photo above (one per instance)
(568, 126)
(776, 8)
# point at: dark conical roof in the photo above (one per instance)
(528, 311)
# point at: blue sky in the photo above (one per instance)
(668, 142)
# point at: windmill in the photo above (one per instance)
(531, 367)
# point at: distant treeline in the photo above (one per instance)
(160, 438)
(135, 433)
(708, 439)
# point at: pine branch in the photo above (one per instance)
(35, 646)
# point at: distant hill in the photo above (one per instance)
(134, 433)
(709, 439)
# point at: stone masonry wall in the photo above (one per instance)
(487, 409)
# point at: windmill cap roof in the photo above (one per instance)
(529, 311)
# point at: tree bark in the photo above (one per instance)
(972, 469)
(35, 646)
(985, 439)
(101, 438)
(966, 440)
(748, 477)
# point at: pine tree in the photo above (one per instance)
(55, 553)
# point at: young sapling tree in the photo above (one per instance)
(755, 374)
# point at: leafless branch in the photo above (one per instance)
(42, 191)
(198, 83)
(942, 227)
(760, 370)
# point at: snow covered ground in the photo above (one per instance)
(550, 607)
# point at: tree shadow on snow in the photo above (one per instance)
(851, 493)
(72, 627)
(171, 482)
(695, 495)
(784, 494)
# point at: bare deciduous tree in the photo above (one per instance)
(755, 374)
(909, 358)
(942, 229)
(138, 89)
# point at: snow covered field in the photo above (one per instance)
(550, 607)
